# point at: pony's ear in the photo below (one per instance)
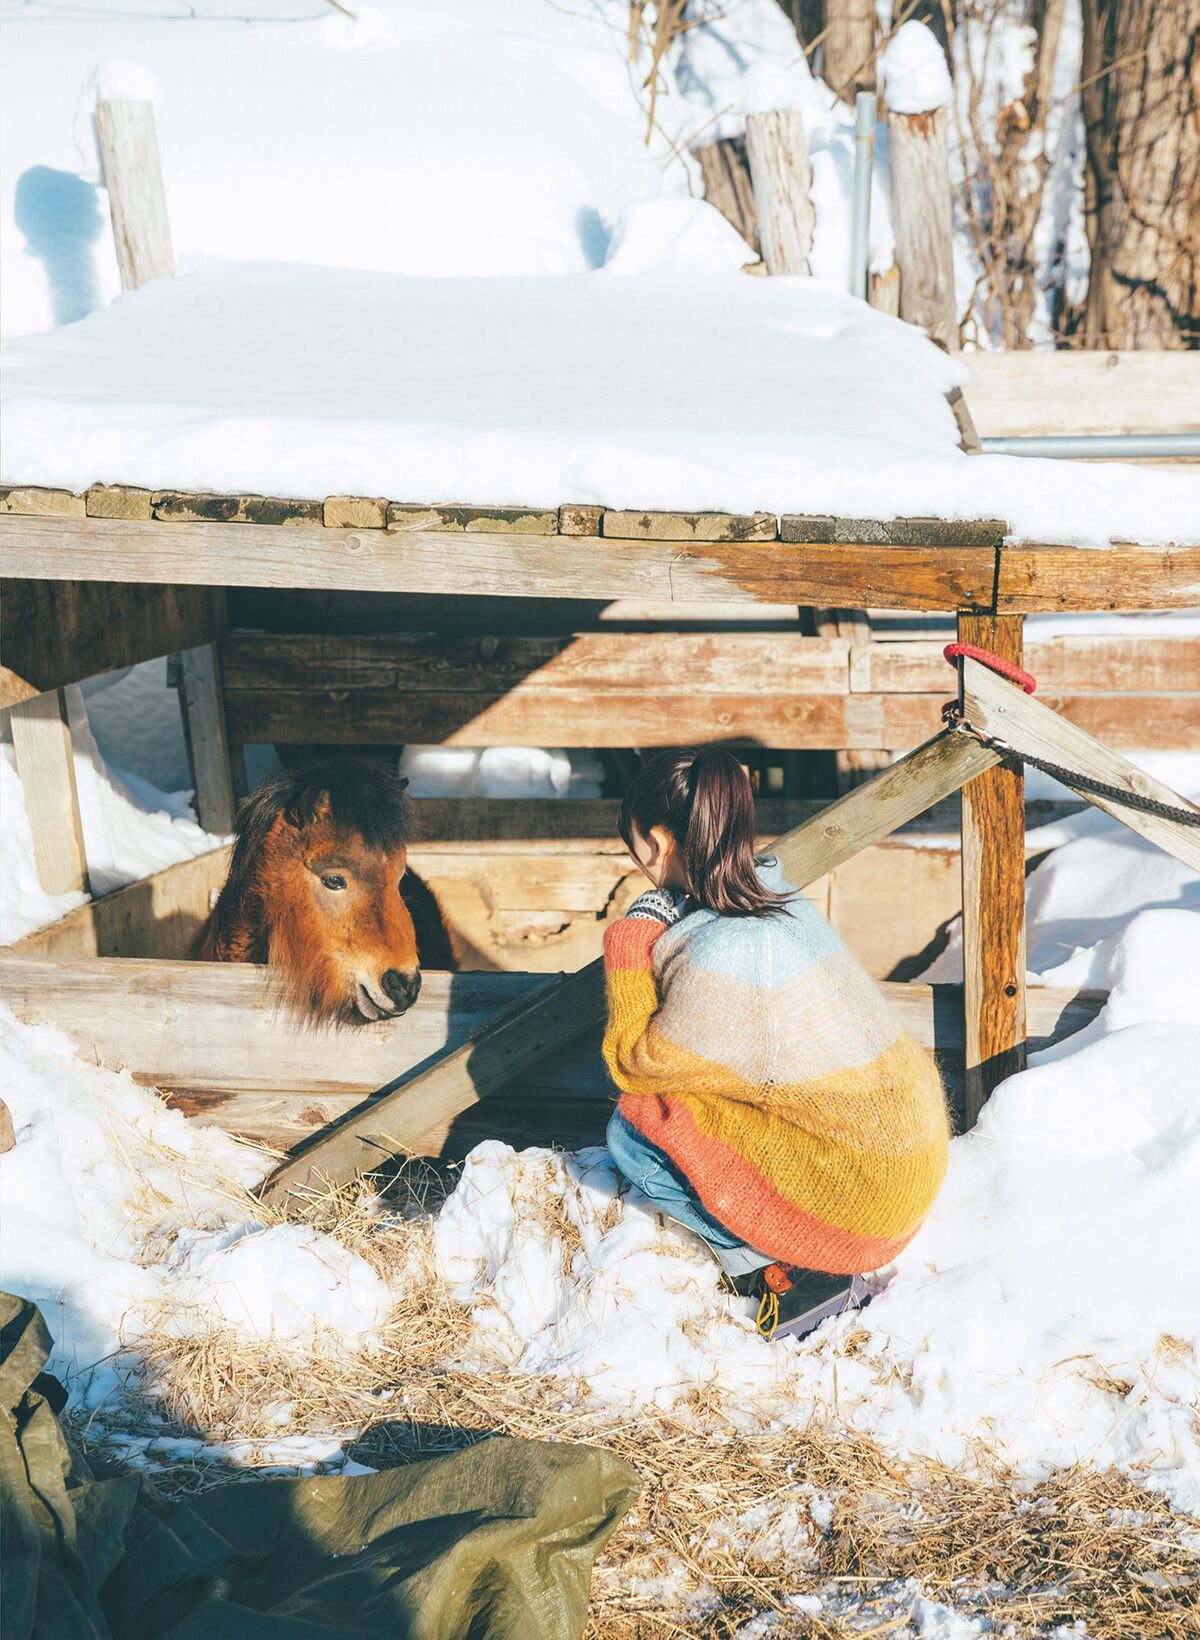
(403, 782)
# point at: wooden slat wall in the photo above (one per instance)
(778, 690)
(1071, 391)
(210, 1034)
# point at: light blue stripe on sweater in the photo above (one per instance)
(757, 950)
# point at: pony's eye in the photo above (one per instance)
(333, 880)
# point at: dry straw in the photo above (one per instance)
(730, 1525)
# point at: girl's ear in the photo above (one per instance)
(661, 843)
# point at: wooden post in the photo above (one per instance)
(133, 177)
(142, 232)
(921, 222)
(202, 701)
(993, 879)
(42, 742)
(849, 46)
(778, 153)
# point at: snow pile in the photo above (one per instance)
(678, 391)
(131, 828)
(500, 771)
(116, 1212)
(459, 139)
(915, 78)
(1087, 898)
(1049, 1309)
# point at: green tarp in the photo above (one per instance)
(495, 1542)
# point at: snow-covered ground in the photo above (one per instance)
(1047, 1316)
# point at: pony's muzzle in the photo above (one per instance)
(402, 988)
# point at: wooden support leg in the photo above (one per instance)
(203, 703)
(42, 742)
(993, 880)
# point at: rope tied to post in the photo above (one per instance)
(953, 717)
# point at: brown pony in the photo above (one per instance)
(319, 888)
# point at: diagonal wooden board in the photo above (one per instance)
(996, 708)
(539, 1025)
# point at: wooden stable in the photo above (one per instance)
(364, 620)
(212, 564)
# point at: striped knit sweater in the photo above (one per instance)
(761, 1060)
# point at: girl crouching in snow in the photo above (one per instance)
(770, 1101)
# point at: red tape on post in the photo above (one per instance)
(1007, 669)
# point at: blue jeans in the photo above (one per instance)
(649, 1171)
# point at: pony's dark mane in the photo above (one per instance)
(365, 795)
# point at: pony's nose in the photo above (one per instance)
(403, 989)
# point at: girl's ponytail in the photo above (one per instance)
(704, 800)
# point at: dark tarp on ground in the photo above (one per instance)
(495, 1542)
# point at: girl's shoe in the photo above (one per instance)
(793, 1302)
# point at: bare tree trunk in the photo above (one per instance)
(850, 47)
(1141, 103)
(1004, 160)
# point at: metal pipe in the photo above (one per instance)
(1108, 446)
(860, 219)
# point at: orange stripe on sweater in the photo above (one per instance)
(629, 941)
(735, 1193)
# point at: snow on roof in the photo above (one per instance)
(691, 391)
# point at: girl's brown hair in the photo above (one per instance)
(703, 799)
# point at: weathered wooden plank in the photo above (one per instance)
(579, 518)
(203, 704)
(274, 511)
(710, 526)
(259, 555)
(993, 898)
(1015, 394)
(1099, 663)
(137, 200)
(34, 501)
(59, 632)
(1028, 726)
(209, 1034)
(157, 917)
(220, 1026)
(534, 824)
(354, 512)
(879, 807)
(1032, 579)
(892, 532)
(632, 663)
(528, 716)
(404, 515)
(847, 574)
(118, 501)
(45, 762)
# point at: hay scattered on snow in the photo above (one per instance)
(733, 1527)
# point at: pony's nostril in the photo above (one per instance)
(402, 988)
